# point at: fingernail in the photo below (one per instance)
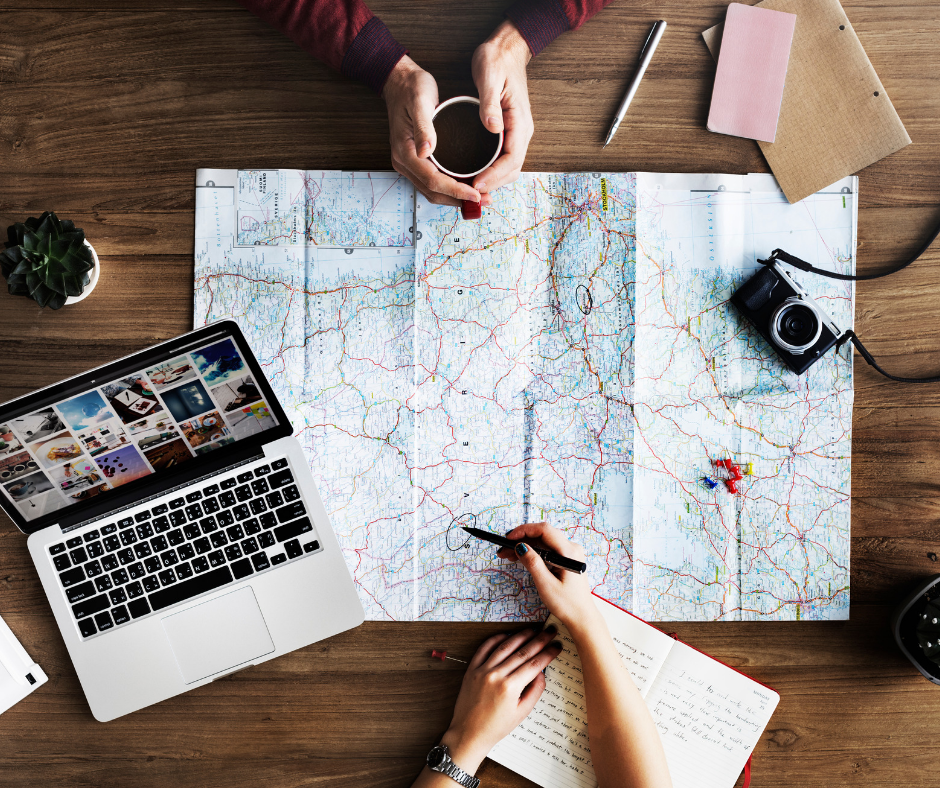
(481, 186)
(521, 549)
(491, 121)
(424, 146)
(551, 629)
(556, 644)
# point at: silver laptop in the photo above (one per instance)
(173, 520)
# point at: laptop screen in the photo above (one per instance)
(147, 415)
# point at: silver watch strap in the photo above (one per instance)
(458, 775)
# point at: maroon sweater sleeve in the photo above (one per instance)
(344, 34)
(541, 21)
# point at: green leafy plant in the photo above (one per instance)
(928, 630)
(46, 259)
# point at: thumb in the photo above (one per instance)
(491, 110)
(532, 561)
(425, 136)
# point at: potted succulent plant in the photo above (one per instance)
(49, 261)
(916, 627)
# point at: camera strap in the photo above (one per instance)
(853, 337)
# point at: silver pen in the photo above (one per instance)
(646, 55)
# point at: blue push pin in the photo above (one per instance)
(711, 484)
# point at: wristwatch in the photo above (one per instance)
(439, 761)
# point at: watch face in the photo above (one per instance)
(436, 757)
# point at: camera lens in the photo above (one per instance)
(795, 325)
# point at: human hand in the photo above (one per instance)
(501, 686)
(567, 595)
(498, 66)
(410, 94)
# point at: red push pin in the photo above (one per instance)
(735, 472)
(724, 464)
(442, 655)
(732, 487)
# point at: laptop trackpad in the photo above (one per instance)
(218, 635)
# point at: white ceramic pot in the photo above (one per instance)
(92, 280)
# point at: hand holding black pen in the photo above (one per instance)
(548, 556)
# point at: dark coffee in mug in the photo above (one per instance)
(464, 145)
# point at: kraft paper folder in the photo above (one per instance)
(835, 116)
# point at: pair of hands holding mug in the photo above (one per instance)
(410, 93)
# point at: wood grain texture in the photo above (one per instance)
(107, 107)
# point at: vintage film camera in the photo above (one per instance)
(796, 326)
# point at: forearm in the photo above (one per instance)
(626, 748)
(466, 753)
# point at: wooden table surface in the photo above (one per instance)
(107, 107)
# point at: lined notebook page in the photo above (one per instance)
(709, 716)
(550, 747)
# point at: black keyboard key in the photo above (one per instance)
(112, 543)
(227, 499)
(151, 583)
(257, 506)
(260, 561)
(93, 569)
(125, 522)
(176, 503)
(82, 591)
(219, 539)
(109, 529)
(169, 558)
(274, 499)
(103, 584)
(128, 537)
(134, 590)
(293, 548)
(57, 548)
(177, 518)
(120, 577)
(167, 577)
(185, 551)
(200, 564)
(195, 495)
(266, 539)
(212, 489)
(152, 564)
(243, 493)
(191, 531)
(88, 607)
(95, 550)
(241, 512)
(280, 478)
(61, 563)
(211, 506)
(141, 516)
(233, 552)
(118, 596)
(91, 536)
(160, 509)
(225, 518)
(278, 464)
(144, 531)
(291, 493)
(311, 546)
(292, 530)
(176, 537)
(136, 571)
(242, 569)
(104, 622)
(235, 533)
(120, 615)
(139, 607)
(259, 487)
(290, 512)
(268, 520)
(225, 485)
(208, 525)
(109, 563)
(202, 546)
(252, 526)
(280, 558)
(72, 576)
(75, 541)
(78, 555)
(87, 628)
(159, 543)
(194, 511)
(142, 549)
(216, 558)
(245, 477)
(126, 556)
(184, 571)
(161, 525)
(250, 546)
(190, 588)
(262, 470)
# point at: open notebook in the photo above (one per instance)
(709, 715)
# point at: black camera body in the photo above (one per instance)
(786, 316)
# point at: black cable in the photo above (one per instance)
(851, 335)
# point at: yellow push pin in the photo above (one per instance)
(749, 469)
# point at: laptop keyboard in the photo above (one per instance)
(185, 545)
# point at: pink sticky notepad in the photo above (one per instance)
(752, 70)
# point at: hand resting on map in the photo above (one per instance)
(410, 93)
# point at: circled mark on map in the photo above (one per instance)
(585, 300)
(468, 520)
